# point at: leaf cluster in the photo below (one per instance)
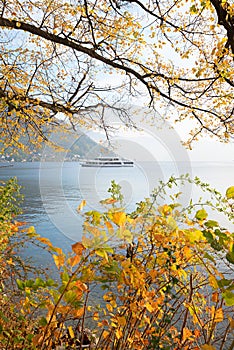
(160, 277)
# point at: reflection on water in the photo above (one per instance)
(53, 191)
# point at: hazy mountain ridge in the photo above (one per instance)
(71, 147)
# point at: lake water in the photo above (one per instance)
(53, 191)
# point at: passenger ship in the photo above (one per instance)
(107, 162)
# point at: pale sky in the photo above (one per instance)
(166, 145)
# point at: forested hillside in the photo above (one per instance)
(65, 145)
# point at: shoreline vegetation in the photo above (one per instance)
(162, 287)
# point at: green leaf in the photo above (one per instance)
(224, 282)
(65, 277)
(29, 283)
(39, 282)
(201, 214)
(230, 192)
(229, 298)
(216, 245)
(30, 337)
(209, 257)
(211, 223)
(221, 234)
(70, 296)
(208, 235)
(230, 257)
(193, 9)
(3, 317)
(43, 322)
(20, 284)
(50, 282)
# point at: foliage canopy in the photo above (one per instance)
(80, 57)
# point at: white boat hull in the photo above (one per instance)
(106, 163)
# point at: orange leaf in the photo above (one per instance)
(78, 248)
(78, 313)
(121, 321)
(45, 241)
(186, 334)
(109, 201)
(197, 333)
(105, 334)
(10, 262)
(74, 260)
(82, 204)
(109, 226)
(215, 297)
(82, 286)
(187, 252)
(218, 315)
(109, 307)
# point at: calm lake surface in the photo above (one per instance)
(53, 191)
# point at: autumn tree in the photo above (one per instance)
(76, 58)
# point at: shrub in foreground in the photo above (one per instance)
(160, 277)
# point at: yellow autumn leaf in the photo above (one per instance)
(165, 210)
(119, 218)
(195, 235)
(96, 316)
(10, 262)
(127, 236)
(59, 260)
(207, 347)
(58, 250)
(31, 230)
(71, 332)
(218, 316)
(149, 307)
(230, 192)
(102, 253)
(213, 282)
(119, 334)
